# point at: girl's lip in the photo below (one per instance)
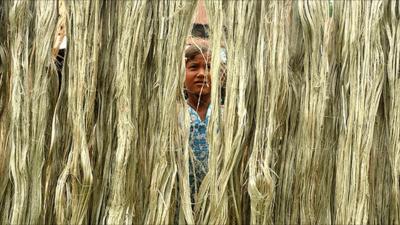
(201, 82)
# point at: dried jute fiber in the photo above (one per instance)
(308, 132)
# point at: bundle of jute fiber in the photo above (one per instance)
(272, 115)
(322, 130)
(222, 199)
(308, 133)
(28, 43)
(5, 193)
(392, 105)
(4, 115)
(257, 92)
(287, 109)
(135, 177)
(361, 79)
(74, 183)
(148, 89)
(315, 134)
(96, 168)
(167, 128)
(57, 112)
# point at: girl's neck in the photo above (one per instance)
(199, 103)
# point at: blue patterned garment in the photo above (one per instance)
(199, 145)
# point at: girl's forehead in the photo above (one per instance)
(202, 57)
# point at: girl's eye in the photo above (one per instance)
(208, 66)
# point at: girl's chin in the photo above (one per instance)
(201, 92)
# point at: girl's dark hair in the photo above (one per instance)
(195, 49)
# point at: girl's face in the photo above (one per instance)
(198, 77)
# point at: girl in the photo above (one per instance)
(198, 93)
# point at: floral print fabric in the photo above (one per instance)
(198, 165)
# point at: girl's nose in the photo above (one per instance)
(202, 72)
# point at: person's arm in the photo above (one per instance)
(61, 29)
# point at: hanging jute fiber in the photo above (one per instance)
(309, 132)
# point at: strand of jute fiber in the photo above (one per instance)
(308, 134)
